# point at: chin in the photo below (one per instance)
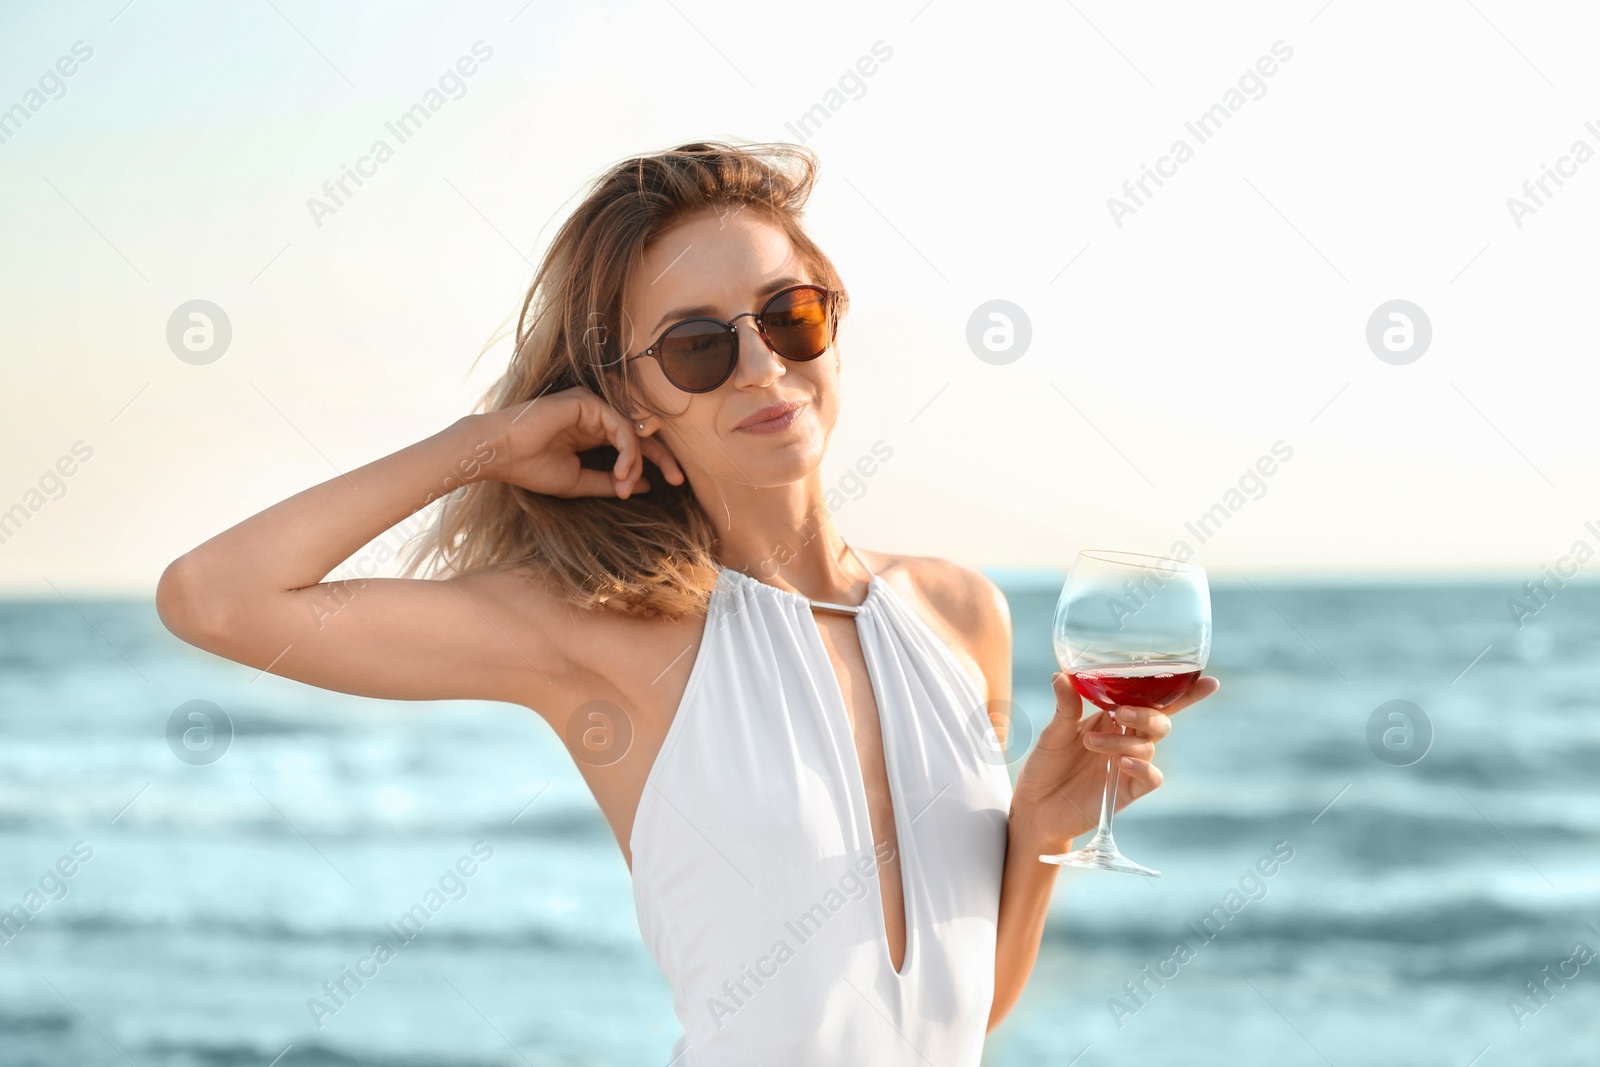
(782, 463)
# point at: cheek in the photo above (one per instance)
(828, 400)
(687, 434)
(700, 421)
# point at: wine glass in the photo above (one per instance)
(1133, 630)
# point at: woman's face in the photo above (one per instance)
(722, 264)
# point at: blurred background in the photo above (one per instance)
(1367, 268)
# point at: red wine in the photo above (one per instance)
(1139, 685)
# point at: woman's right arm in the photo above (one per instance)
(255, 592)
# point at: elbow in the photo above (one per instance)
(185, 605)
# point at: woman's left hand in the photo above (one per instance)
(1059, 789)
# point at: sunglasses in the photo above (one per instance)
(699, 354)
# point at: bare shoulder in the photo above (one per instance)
(963, 606)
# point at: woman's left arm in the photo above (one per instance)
(1058, 791)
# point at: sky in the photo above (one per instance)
(1356, 187)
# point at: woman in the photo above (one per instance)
(786, 734)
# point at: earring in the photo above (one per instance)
(640, 425)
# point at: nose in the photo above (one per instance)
(756, 357)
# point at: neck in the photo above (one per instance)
(783, 536)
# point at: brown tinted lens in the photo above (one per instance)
(698, 355)
(797, 324)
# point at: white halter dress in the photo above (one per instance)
(754, 868)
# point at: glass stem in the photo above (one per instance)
(1108, 800)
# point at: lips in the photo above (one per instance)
(768, 414)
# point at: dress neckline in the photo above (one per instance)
(875, 584)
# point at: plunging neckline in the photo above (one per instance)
(875, 587)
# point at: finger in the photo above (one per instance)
(663, 458)
(597, 424)
(1147, 722)
(1070, 703)
(1202, 688)
(1139, 778)
(631, 446)
(593, 483)
(1067, 723)
(1120, 745)
(624, 488)
(626, 443)
(605, 483)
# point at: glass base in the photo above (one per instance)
(1100, 854)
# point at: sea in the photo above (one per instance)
(1379, 844)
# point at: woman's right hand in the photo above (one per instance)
(536, 446)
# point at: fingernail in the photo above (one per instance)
(1129, 764)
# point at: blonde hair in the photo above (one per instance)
(652, 554)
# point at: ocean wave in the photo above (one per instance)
(1380, 836)
(1443, 925)
(579, 936)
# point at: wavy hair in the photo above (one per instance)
(651, 555)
